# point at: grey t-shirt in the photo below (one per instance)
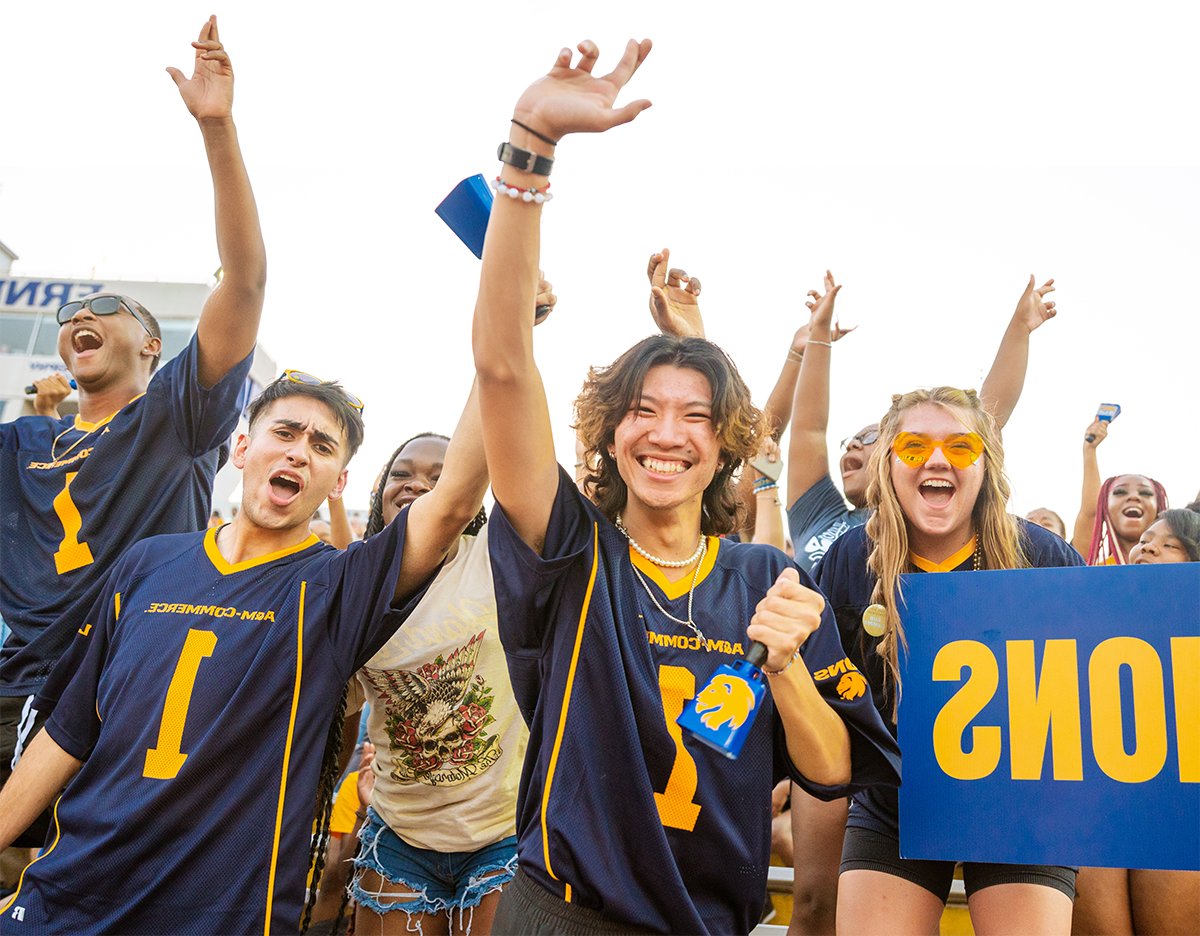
(817, 519)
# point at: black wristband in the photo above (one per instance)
(524, 160)
(540, 136)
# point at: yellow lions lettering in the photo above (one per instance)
(726, 699)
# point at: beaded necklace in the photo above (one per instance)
(663, 563)
(697, 557)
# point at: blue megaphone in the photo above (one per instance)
(723, 712)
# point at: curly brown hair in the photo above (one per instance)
(609, 393)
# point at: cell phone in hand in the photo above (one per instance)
(1107, 412)
(466, 211)
(770, 469)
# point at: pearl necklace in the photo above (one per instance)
(691, 591)
(663, 563)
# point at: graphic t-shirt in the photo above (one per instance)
(449, 740)
(817, 518)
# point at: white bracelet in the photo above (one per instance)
(827, 344)
(793, 355)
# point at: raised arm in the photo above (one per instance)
(517, 430)
(437, 519)
(1081, 537)
(1002, 387)
(228, 325)
(340, 534)
(44, 769)
(808, 453)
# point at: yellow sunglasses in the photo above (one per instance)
(962, 450)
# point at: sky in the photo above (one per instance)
(932, 155)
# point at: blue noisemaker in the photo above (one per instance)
(723, 712)
(466, 211)
(32, 389)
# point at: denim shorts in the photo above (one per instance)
(437, 880)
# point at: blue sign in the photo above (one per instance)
(1052, 716)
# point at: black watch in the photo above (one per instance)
(524, 160)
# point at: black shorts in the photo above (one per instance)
(867, 850)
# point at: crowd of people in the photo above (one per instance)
(468, 722)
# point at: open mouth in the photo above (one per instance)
(1133, 512)
(284, 488)
(937, 492)
(86, 340)
(851, 463)
(663, 465)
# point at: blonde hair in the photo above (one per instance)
(999, 534)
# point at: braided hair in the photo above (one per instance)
(375, 522)
(1104, 548)
(326, 787)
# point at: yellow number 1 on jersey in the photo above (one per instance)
(163, 762)
(71, 554)
(675, 807)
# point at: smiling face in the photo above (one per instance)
(1158, 544)
(854, 466)
(103, 349)
(414, 472)
(1132, 507)
(293, 458)
(665, 447)
(937, 498)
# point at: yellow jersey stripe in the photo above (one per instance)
(287, 753)
(949, 565)
(678, 589)
(226, 568)
(4, 905)
(92, 427)
(562, 718)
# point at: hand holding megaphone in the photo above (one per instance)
(723, 712)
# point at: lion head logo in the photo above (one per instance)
(852, 685)
(726, 699)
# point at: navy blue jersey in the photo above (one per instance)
(74, 496)
(617, 811)
(200, 701)
(847, 583)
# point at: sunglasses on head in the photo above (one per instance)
(961, 449)
(299, 376)
(864, 438)
(99, 305)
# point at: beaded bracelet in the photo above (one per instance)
(528, 195)
(793, 356)
(795, 657)
(827, 344)
(764, 484)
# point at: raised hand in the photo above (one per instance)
(1032, 309)
(546, 300)
(208, 94)
(674, 306)
(785, 618)
(821, 313)
(571, 100)
(50, 392)
(1096, 433)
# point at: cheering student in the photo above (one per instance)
(1113, 515)
(195, 702)
(1129, 901)
(818, 514)
(613, 614)
(140, 457)
(938, 496)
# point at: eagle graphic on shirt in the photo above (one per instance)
(436, 716)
